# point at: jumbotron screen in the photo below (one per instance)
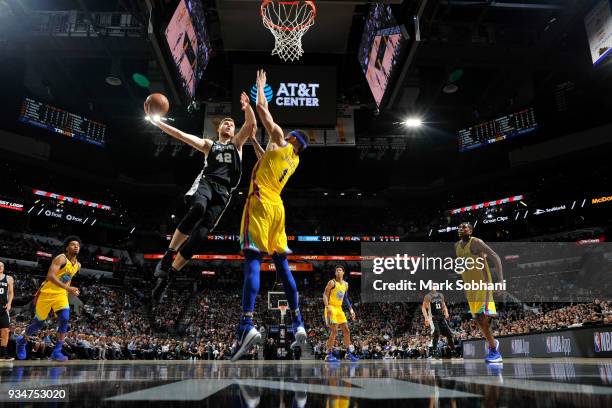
(380, 49)
(189, 44)
(61, 121)
(496, 130)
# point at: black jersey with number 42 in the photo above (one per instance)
(222, 165)
(436, 303)
(4, 290)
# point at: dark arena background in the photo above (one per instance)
(420, 115)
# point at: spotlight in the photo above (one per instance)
(413, 122)
(113, 80)
(156, 118)
(450, 89)
(147, 117)
(173, 216)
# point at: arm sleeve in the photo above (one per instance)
(347, 302)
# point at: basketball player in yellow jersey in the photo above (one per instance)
(334, 296)
(481, 302)
(263, 223)
(53, 296)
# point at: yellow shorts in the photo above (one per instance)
(263, 227)
(480, 301)
(45, 302)
(485, 308)
(336, 315)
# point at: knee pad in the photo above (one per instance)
(62, 320)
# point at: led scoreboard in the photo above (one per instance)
(496, 130)
(60, 121)
(316, 238)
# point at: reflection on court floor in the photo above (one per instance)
(455, 383)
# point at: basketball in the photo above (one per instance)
(156, 104)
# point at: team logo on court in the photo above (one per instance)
(267, 91)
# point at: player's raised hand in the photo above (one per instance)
(244, 101)
(261, 79)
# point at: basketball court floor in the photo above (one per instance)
(380, 383)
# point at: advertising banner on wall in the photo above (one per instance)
(593, 342)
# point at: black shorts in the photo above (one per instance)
(441, 326)
(5, 319)
(213, 197)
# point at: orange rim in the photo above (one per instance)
(268, 22)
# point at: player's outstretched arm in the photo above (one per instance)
(249, 121)
(274, 131)
(259, 151)
(198, 143)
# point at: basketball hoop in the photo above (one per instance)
(288, 21)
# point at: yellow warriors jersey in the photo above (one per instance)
(338, 292)
(272, 172)
(466, 252)
(480, 301)
(64, 274)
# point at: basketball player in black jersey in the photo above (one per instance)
(6, 299)
(436, 316)
(210, 193)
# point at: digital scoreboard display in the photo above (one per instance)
(496, 130)
(188, 42)
(60, 121)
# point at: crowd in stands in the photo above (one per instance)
(197, 317)
(28, 249)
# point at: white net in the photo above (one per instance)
(288, 22)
